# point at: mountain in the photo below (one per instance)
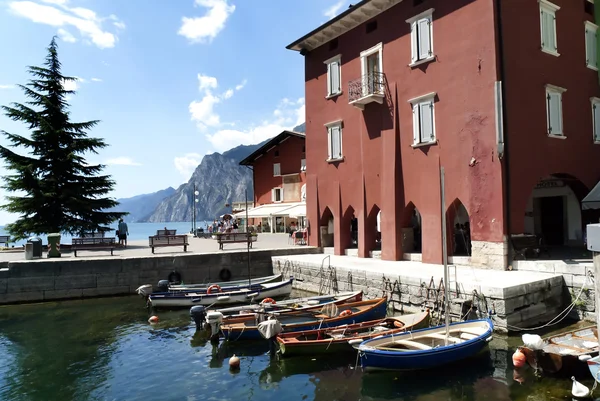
(219, 179)
(140, 206)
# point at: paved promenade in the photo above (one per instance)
(141, 248)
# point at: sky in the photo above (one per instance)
(170, 80)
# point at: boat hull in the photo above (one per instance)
(376, 359)
(271, 290)
(594, 368)
(250, 332)
(224, 284)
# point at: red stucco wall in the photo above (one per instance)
(381, 170)
(290, 156)
(533, 155)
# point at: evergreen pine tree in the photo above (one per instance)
(52, 188)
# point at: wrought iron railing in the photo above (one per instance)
(369, 84)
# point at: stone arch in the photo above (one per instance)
(412, 229)
(349, 229)
(553, 211)
(326, 228)
(373, 229)
(458, 228)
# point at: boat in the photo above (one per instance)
(341, 339)
(164, 286)
(430, 347)
(226, 296)
(562, 354)
(594, 367)
(296, 304)
(245, 327)
(426, 348)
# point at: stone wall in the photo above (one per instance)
(489, 255)
(52, 279)
(576, 276)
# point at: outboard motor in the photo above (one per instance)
(214, 319)
(198, 313)
(163, 286)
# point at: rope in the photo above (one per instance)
(560, 316)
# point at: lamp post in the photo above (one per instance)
(195, 204)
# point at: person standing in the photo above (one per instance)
(123, 233)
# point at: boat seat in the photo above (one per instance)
(441, 336)
(412, 344)
(468, 336)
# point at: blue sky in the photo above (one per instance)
(171, 80)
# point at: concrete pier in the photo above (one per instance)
(518, 298)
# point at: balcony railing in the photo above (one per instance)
(368, 88)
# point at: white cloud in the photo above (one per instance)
(96, 80)
(122, 161)
(59, 15)
(187, 164)
(289, 114)
(66, 36)
(204, 29)
(202, 111)
(228, 94)
(6, 87)
(332, 11)
(73, 85)
(206, 82)
(241, 85)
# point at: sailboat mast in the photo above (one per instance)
(248, 239)
(445, 254)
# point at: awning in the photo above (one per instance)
(272, 209)
(294, 211)
(592, 200)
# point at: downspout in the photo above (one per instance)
(501, 129)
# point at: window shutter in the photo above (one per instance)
(335, 143)
(281, 194)
(329, 144)
(416, 129)
(414, 35)
(596, 116)
(273, 195)
(329, 86)
(555, 117)
(590, 47)
(335, 78)
(548, 31)
(426, 121)
(424, 39)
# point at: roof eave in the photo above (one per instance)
(251, 158)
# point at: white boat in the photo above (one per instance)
(256, 292)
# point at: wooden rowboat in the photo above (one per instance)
(564, 354)
(341, 338)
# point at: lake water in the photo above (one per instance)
(104, 350)
(137, 231)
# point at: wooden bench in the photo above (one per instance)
(162, 233)
(157, 241)
(523, 244)
(230, 238)
(5, 239)
(93, 243)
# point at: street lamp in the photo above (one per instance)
(194, 205)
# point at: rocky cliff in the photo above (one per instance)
(140, 206)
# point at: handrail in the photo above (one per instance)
(372, 83)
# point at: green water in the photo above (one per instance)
(104, 349)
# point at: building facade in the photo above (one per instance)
(396, 89)
(279, 177)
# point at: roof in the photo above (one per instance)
(346, 21)
(250, 159)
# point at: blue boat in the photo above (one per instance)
(245, 327)
(594, 367)
(426, 348)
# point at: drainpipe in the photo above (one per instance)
(503, 129)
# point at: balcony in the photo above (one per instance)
(369, 88)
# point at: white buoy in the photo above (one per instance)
(579, 390)
(234, 362)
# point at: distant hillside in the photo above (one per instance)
(140, 206)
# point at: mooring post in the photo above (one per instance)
(593, 244)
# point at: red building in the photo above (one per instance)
(502, 94)
(279, 175)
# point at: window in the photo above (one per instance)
(421, 33)
(591, 45)
(554, 110)
(277, 194)
(596, 118)
(423, 119)
(276, 169)
(303, 165)
(276, 153)
(548, 27)
(371, 26)
(334, 141)
(334, 76)
(372, 70)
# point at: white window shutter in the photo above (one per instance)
(414, 36)
(335, 87)
(416, 129)
(329, 144)
(329, 86)
(424, 38)
(555, 118)
(335, 143)
(549, 31)
(591, 47)
(273, 195)
(281, 194)
(426, 121)
(596, 115)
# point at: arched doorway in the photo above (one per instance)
(350, 226)
(459, 229)
(374, 229)
(412, 230)
(553, 211)
(326, 228)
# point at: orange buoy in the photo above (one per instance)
(268, 301)
(398, 324)
(153, 319)
(234, 362)
(519, 359)
(213, 287)
(345, 313)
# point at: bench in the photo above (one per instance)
(157, 241)
(5, 239)
(230, 238)
(93, 243)
(162, 233)
(524, 244)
